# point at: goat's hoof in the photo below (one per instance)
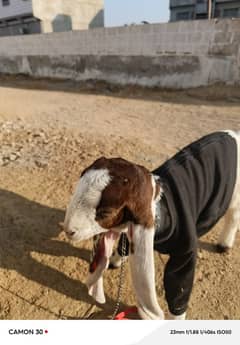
(222, 249)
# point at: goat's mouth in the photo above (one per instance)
(76, 235)
(99, 263)
(103, 249)
(104, 243)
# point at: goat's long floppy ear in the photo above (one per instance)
(143, 273)
(140, 201)
(110, 210)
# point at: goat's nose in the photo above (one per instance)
(70, 233)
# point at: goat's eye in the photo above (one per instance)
(102, 213)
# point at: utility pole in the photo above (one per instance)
(209, 9)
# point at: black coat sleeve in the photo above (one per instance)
(178, 280)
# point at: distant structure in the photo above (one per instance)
(19, 17)
(16, 18)
(66, 15)
(203, 9)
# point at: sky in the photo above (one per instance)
(120, 12)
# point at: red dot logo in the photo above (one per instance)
(46, 331)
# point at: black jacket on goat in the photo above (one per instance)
(198, 184)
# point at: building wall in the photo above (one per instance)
(16, 8)
(221, 7)
(66, 15)
(55, 16)
(177, 12)
(17, 18)
(174, 55)
(178, 7)
(20, 28)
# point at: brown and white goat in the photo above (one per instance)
(115, 196)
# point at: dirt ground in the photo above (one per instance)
(49, 132)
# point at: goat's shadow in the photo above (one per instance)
(26, 227)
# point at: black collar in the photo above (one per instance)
(165, 218)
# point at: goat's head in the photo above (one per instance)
(110, 194)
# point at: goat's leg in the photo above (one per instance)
(143, 272)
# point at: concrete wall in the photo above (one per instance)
(175, 55)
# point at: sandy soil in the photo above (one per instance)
(49, 132)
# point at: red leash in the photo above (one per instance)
(123, 315)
